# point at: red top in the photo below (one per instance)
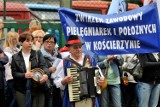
(63, 49)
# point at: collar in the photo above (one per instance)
(81, 61)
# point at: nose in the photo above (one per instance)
(30, 42)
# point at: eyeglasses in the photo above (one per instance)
(47, 42)
(38, 37)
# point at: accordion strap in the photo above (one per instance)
(76, 63)
(72, 61)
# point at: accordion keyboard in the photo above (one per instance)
(74, 87)
(98, 88)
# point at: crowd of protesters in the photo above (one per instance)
(20, 87)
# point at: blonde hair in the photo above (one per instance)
(9, 36)
(38, 31)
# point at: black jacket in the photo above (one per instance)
(3, 61)
(151, 68)
(19, 69)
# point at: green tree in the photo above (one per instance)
(139, 2)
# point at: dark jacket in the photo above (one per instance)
(151, 68)
(19, 69)
(3, 61)
(56, 95)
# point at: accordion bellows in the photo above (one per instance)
(84, 84)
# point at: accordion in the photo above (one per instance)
(84, 84)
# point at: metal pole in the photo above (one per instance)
(4, 10)
(70, 3)
(66, 3)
